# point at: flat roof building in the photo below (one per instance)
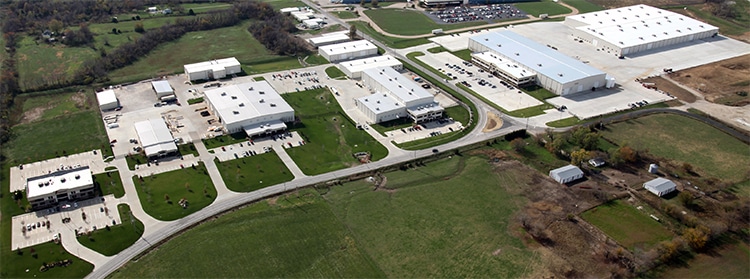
(253, 107)
(303, 15)
(396, 96)
(289, 10)
(348, 50)
(637, 28)
(660, 186)
(66, 184)
(554, 71)
(354, 68)
(162, 88)
(107, 100)
(331, 39)
(566, 174)
(505, 68)
(213, 69)
(155, 137)
(313, 23)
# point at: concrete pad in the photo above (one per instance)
(166, 165)
(425, 131)
(592, 104)
(18, 176)
(228, 152)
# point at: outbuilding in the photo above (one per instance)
(107, 100)
(660, 186)
(162, 88)
(156, 139)
(566, 174)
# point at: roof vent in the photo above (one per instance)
(78, 176)
(273, 105)
(234, 97)
(235, 112)
(262, 101)
(518, 54)
(499, 45)
(251, 89)
(377, 108)
(223, 93)
(560, 74)
(261, 92)
(242, 104)
(540, 64)
(378, 102)
(62, 180)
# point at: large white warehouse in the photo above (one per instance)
(330, 38)
(213, 69)
(354, 68)
(253, 107)
(348, 50)
(554, 71)
(396, 96)
(633, 29)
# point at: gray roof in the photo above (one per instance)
(544, 60)
(155, 136)
(161, 86)
(659, 185)
(566, 171)
(401, 88)
(236, 103)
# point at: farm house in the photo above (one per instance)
(566, 174)
(660, 186)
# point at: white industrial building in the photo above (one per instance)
(396, 96)
(163, 89)
(553, 70)
(213, 69)
(566, 174)
(326, 39)
(66, 184)
(354, 68)
(660, 186)
(505, 68)
(289, 10)
(313, 23)
(637, 28)
(348, 50)
(107, 100)
(303, 15)
(253, 107)
(155, 138)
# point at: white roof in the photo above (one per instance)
(380, 102)
(270, 126)
(348, 47)
(506, 65)
(106, 97)
(155, 136)
(368, 63)
(659, 185)
(323, 40)
(162, 86)
(402, 88)
(61, 180)
(237, 103)
(212, 64)
(639, 24)
(336, 33)
(566, 171)
(289, 10)
(544, 60)
(312, 21)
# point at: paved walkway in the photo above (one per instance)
(281, 152)
(213, 171)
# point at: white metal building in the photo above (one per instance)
(155, 138)
(504, 68)
(354, 68)
(637, 28)
(348, 50)
(289, 10)
(107, 100)
(396, 96)
(162, 88)
(566, 174)
(67, 184)
(660, 186)
(330, 38)
(554, 71)
(303, 15)
(313, 23)
(213, 69)
(253, 107)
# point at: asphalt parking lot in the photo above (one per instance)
(488, 13)
(18, 175)
(258, 146)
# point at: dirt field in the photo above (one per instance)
(671, 88)
(494, 122)
(719, 82)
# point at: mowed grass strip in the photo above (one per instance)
(584, 6)
(628, 226)
(251, 173)
(67, 134)
(449, 219)
(293, 236)
(160, 193)
(111, 241)
(542, 7)
(409, 22)
(331, 138)
(712, 152)
(109, 183)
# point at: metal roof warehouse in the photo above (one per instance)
(254, 107)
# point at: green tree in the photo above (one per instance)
(374, 3)
(517, 144)
(352, 31)
(555, 145)
(55, 26)
(686, 198)
(362, 3)
(578, 157)
(139, 28)
(191, 12)
(590, 141)
(696, 237)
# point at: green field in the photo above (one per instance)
(203, 7)
(584, 6)
(711, 152)
(331, 138)
(57, 137)
(190, 183)
(49, 106)
(729, 261)
(345, 14)
(628, 226)
(564, 122)
(389, 41)
(109, 183)
(279, 4)
(542, 7)
(15, 265)
(36, 62)
(248, 174)
(396, 21)
(734, 27)
(448, 219)
(112, 240)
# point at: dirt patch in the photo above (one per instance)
(720, 82)
(59, 54)
(494, 122)
(272, 201)
(671, 88)
(33, 114)
(79, 99)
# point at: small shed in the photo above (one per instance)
(107, 100)
(162, 88)
(660, 186)
(566, 174)
(596, 162)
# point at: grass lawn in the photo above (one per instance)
(334, 72)
(729, 261)
(389, 41)
(316, 59)
(193, 184)
(565, 122)
(530, 111)
(42, 61)
(188, 148)
(345, 14)
(57, 137)
(135, 159)
(49, 106)
(248, 174)
(539, 93)
(464, 54)
(584, 6)
(711, 152)
(542, 7)
(279, 4)
(628, 226)
(111, 241)
(223, 140)
(109, 183)
(410, 22)
(331, 138)
(205, 7)
(295, 236)
(195, 100)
